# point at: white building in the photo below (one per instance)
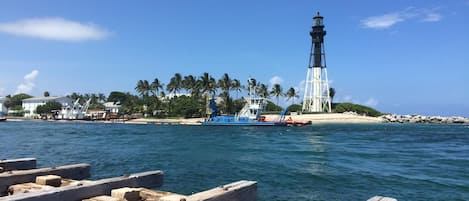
(30, 104)
(112, 107)
(3, 109)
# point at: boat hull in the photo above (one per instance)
(209, 123)
(234, 121)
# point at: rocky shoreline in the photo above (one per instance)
(420, 119)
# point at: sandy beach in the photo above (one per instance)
(314, 118)
(329, 118)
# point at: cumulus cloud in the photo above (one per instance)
(390, 19)
(275, 80)
(54, 29)
(28, 83)
(371, 102)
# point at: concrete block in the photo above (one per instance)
(76, 171)
(95, 188)
(27, 188)
(155, 195)
(17, 164)
(237, 191)
(381, 198)
(101, 198)
(71, 182)
(126, 194)
(51, 180)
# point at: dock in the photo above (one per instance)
(20, 180)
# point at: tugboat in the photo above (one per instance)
(250, 114)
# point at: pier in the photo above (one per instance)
(22, 181)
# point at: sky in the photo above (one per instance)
(404, 57)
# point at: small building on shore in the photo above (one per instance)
(3, 108)
(112, 107)
(30, 104)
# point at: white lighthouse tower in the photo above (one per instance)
(316, 97)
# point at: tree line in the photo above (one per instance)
(157, 96)
(182, 96)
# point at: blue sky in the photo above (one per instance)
(401, 57)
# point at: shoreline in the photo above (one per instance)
(329, 118)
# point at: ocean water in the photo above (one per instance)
(319, 162)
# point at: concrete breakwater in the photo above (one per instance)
(20, 180)
(394, 118)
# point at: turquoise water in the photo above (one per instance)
(319, 162)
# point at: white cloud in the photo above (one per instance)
(390, 19)
(28, 83)
(371, 102)
(275, 80)
(54, 29)
(383, 21)
(432, 17)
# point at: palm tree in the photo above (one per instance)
(156, 86)
(225, 84)
(143, 87)
(101, 97)
(189, 83)
(175, 84)
(277, 91)
(262, 90)
(207, 84)
(332, 94)
(292, 94)
(236, 85)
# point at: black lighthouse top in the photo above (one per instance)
(318, 32)
(317, 36)
(318, 20)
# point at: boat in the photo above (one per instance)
(291, 122)
(73, 112)
(250, 114)
(2, 117)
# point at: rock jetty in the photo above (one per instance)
(420, 119)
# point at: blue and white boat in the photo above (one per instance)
(250, 114)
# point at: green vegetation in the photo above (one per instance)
(48, 107)
(271, 107)
(15, 102)
(155, 99)
(294, 108)
(360, 109)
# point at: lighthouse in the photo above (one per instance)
(316, 97)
